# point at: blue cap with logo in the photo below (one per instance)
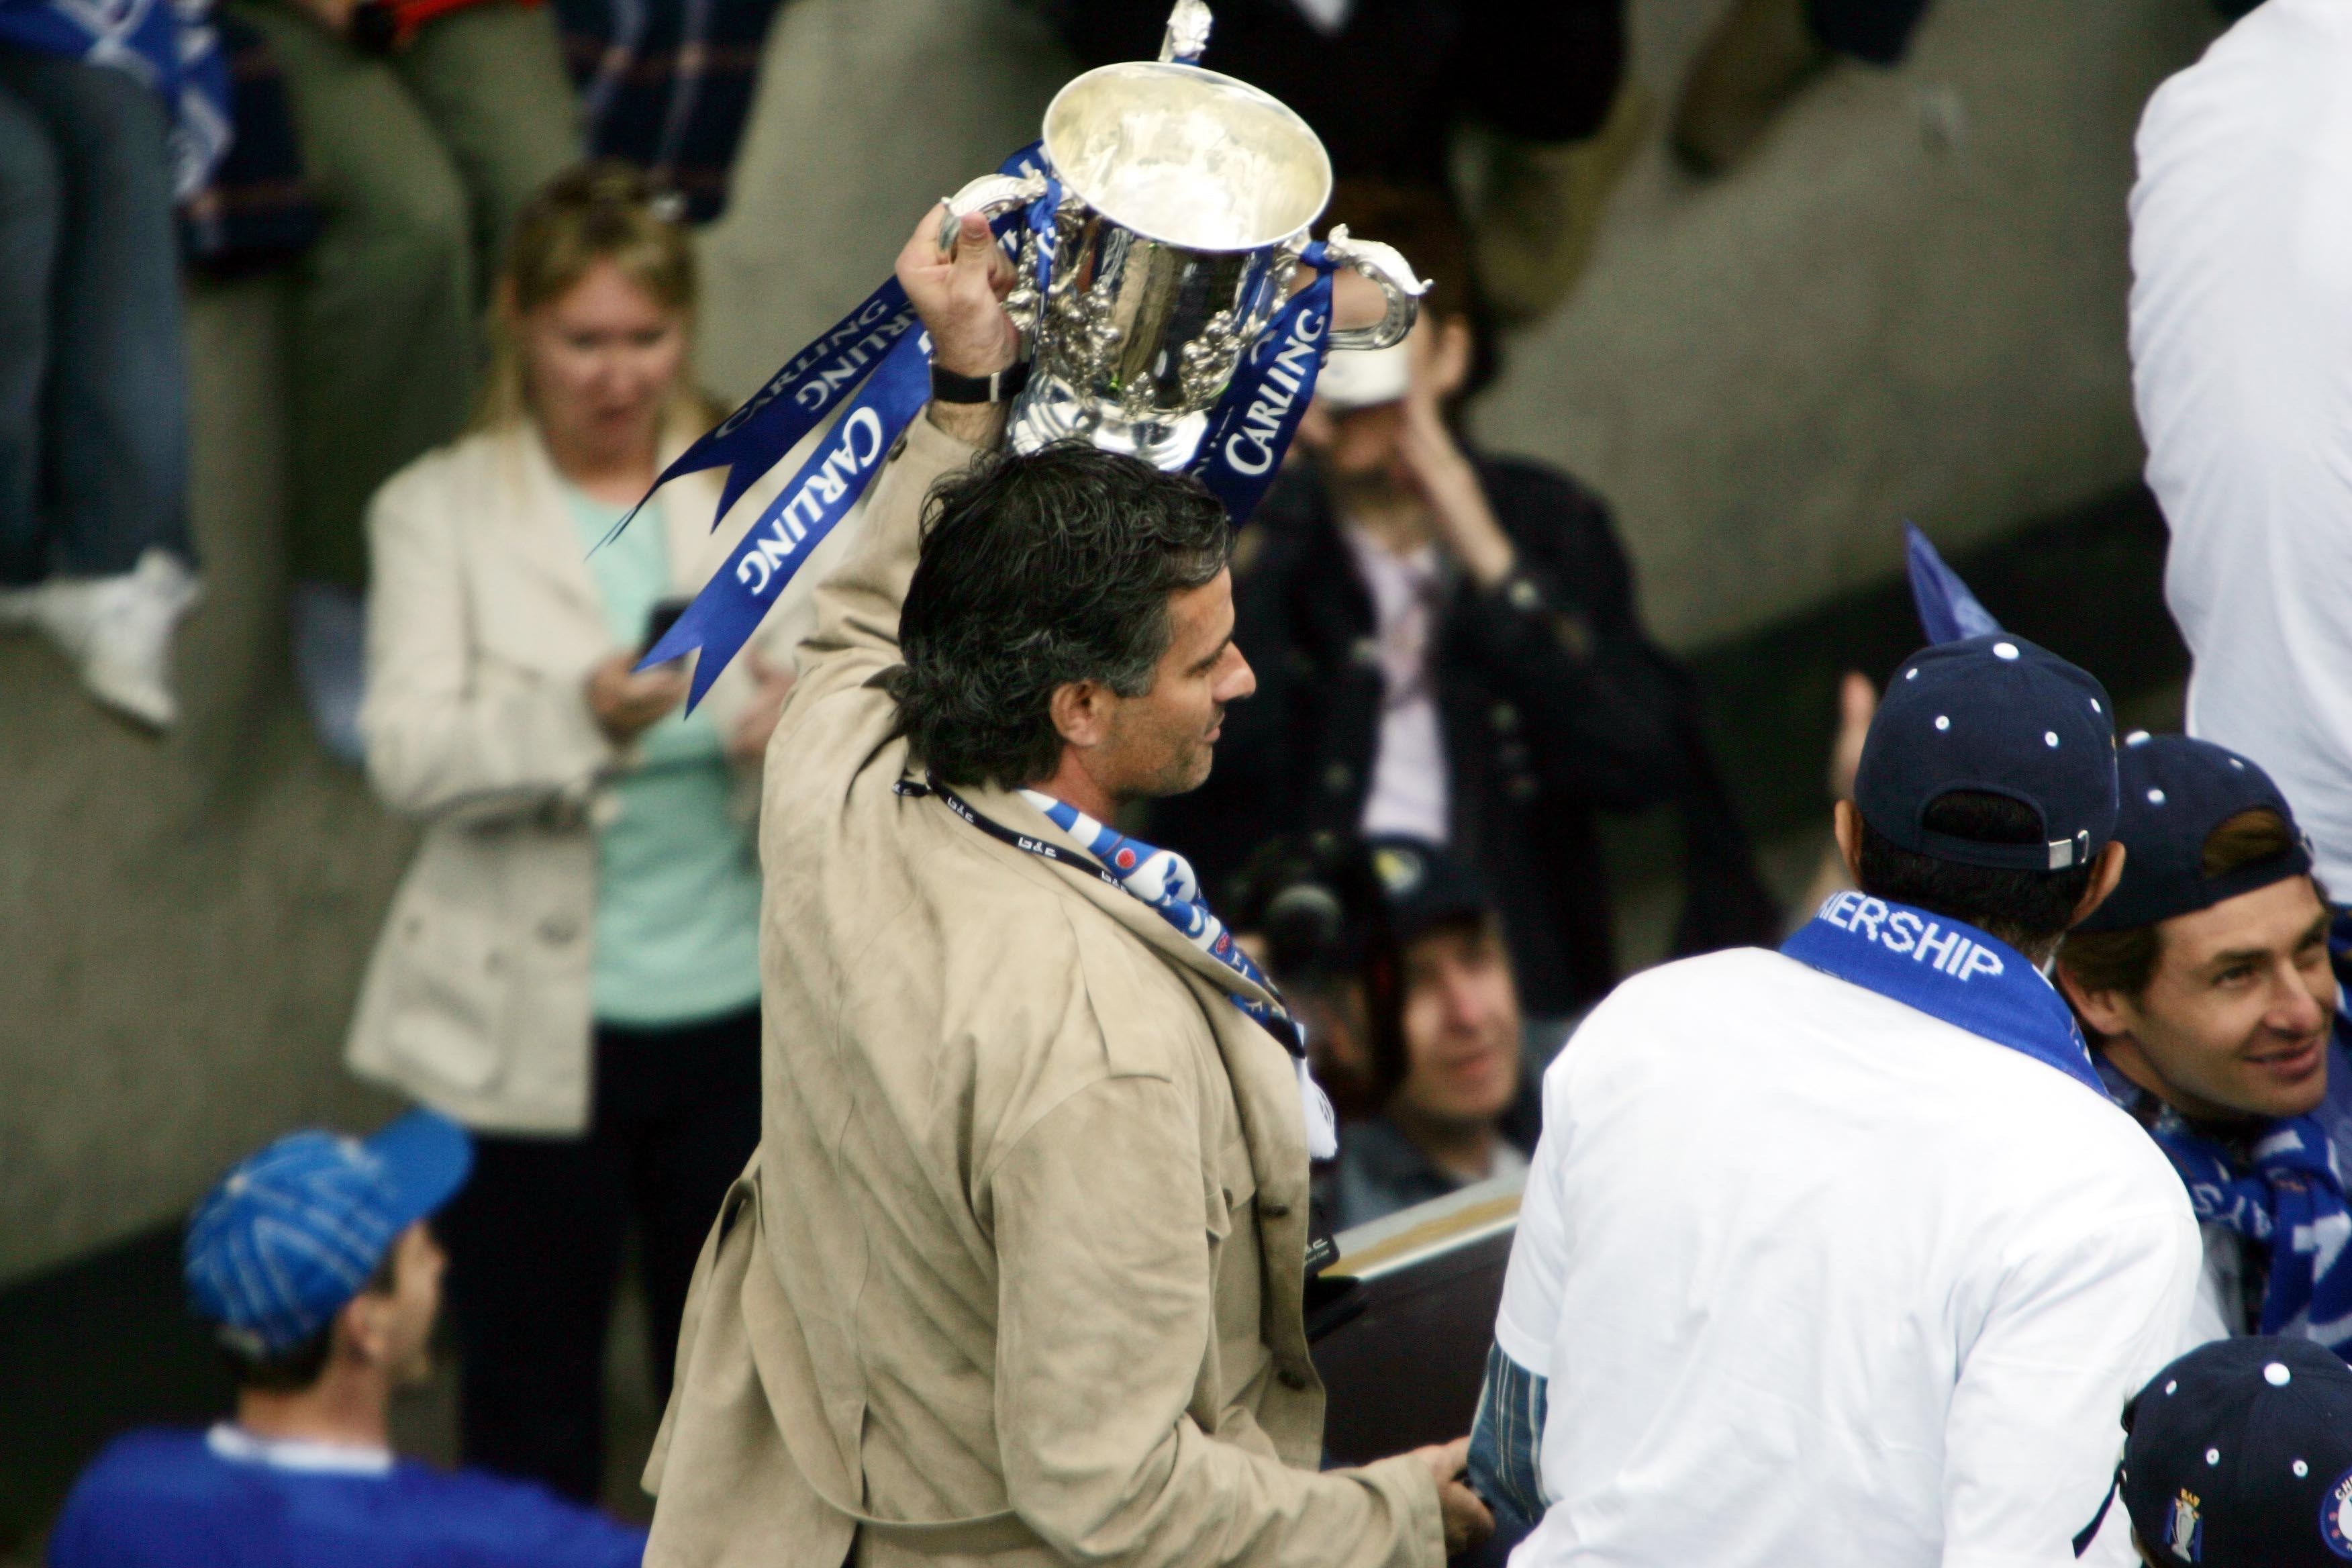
(2176, 791)
(291, 1234)
(2239, 1455)
(1992, 713)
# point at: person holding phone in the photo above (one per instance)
(571, 967)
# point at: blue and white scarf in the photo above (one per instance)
(2291, 1203)
(1164, 880)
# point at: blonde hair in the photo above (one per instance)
(602, 211)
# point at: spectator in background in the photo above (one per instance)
(107, 117)
(315, 1267)
(1762, 53)
(667, 85)
(424, 128)
(1447, 649)
(1388, 85)
(2241, 242)
(572, 963)
(1307, 908)
(1447, 1053)
(2205, 985)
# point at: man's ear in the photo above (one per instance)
(2104, 1011)
(359, 1327)
(2106, 871)
(1845, 823)
(1081, 712)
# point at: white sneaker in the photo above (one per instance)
(117, 631)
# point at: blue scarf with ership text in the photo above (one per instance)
(1948, 969)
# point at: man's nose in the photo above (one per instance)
(1240, 681)
(2293, 1010)
(1466, 1009)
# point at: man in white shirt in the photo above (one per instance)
(1840, 1255)
(2240, 343)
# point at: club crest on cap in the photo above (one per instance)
(2336, 1516)
(1400, 870)
(2184, 1532)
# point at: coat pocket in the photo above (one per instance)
(449, 995)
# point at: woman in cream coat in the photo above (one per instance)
(571, 966)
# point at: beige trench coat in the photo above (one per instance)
(1016, 1276)
(483, 624)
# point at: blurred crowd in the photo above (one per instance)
(484, 212)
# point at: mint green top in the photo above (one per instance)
(678, 888)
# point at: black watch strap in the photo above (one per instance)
(947, 386)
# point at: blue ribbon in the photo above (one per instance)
(795, 400)
(810, 387)
(1948, 611)
(1251, 428)
(1948, 969)
(730, 607)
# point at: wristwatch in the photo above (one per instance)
(947, 386)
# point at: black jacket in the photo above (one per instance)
(1553, 703)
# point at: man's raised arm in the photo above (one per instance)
(960, 298)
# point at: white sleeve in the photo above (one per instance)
(1528, 1317)
(2080, 1316)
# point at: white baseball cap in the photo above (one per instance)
(1362, 378)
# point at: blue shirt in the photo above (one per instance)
(677, 886)
(191, 1499)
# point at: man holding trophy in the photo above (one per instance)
(1017, 1274)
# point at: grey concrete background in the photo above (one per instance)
(1911, 303)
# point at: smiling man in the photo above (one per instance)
(2206, 985)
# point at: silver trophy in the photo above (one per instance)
(1186, 201)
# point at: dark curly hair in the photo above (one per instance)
(1037, 570)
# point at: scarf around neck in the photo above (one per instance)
(2286, 1196)
(1164, 880)
(1948, 969)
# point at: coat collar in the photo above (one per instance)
(1011, 809)
(1265, 1082)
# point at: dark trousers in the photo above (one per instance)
(93, 395)
(535, 1241)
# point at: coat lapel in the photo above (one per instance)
(1265, 1081)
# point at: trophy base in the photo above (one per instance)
(1050, 411)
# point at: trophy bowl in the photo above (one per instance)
(1185, 201)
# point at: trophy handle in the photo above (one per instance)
(991, 196)
(1383, 265)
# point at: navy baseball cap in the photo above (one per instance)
(1422, 887)
(294, 1232)
(2239, 1455)
(2176, 791)
(1997, 714)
